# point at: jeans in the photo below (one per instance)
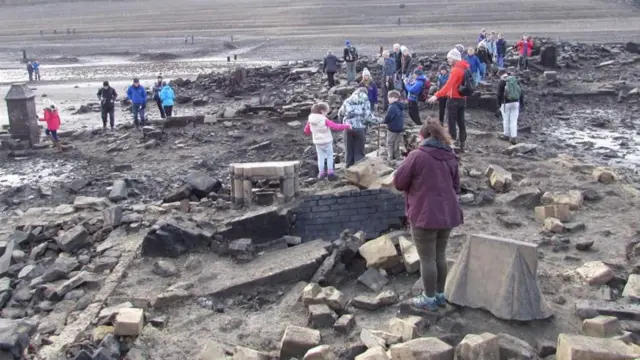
(414, 112)
(351, 72)
(168, 110)
(138, 109)
(330, 79)
(53, 133)
(483, 70)
(510, 112)
(30, 75)
(455, 116)
(442, 107)
(431, 246)
(501, 61)
(523, 62)
(354, 141)
(108, 110)
(393, 144)
(37, 73)
(325, 153)
(477, 77)
(160, 107)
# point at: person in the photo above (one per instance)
(490, 44)
(414, 90)
(397, 55)
(356, 111)
(167, 96)
(510, 101)
(485, 59)
(430, 178)
(30, 70)
(52, 118)
(107, 96)
(350, 56)
(319, 127)
(388, 72)
(443, 76)
(36, 70)
(524, 47)
(405, 62)
(483, 35)
(186, 39)
(474, 65)
(372, 90)
(138, 96)
(330, 67)
(156, 96)
(395, 125)
(501, 50)
(455, 89)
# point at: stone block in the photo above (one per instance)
(406, 329)
(560, 212)
(579, 347)
(484, 346)
(202, 184)
(380, 253)
(129, 322)
(377, 353)
(112, 216)
(212, 350)
(333, 297)
(309, 294)
(573, 198)
(322, 352)
(632, 288)
(243, 353)
(550, 75)
(389, 338)
(512, 347)
(409, 255)
(321, 316)
(87, 202)
(595, 273)
(118, 190)
(345, 323)
(554, 225)
(297, 340)
(602, 326)
(371, 340)
(514, 294)
(387, 297)
(242, 249)
(368, 173)
(422, 349)
(589, 309)
(374, 279)
(73, 239)
(604, 175)
(365, 302)
(499, 178)
(527, 197)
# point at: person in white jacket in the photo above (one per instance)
(319, 127)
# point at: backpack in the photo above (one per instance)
(467, 87)
(424, 94)
(353, 53)
(512, 89)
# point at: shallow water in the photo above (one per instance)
(33, 171)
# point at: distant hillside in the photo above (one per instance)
(38, 2)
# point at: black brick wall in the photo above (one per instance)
(326, 216)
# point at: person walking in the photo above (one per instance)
(319, 127)
(443, 77)
(52, 118)
(524, 47)
(501, 51)
(167, 96)
(395, 125)
(430, 178)
(414, 90)
(156, 96)
(107, 96)
(138, 96)
(356, 111)
(350, 56)
(510, 101)
(372, 90)
(36, 70)
(458, 87)
(30, 70)
(330, 67)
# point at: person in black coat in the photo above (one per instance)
(330, 67)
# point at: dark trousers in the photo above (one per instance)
(110, 110)
(455, 116)
(442, 106)
(330, 79)
(431, 246)
(160, 108)
(414, 113)
(168, 110)
(30, 75)
(138, 111)
(354, 141)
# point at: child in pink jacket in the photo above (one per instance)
(52, 118)
(319, 127)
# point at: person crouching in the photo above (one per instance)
(319, 127)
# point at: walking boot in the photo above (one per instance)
(513, 141)
(461, 147)
(503, 137)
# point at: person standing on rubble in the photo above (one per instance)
(510, 102)
(356, 111)
(524, 47)
(388, 72)
(138, 96)
(167, 96)
(330, 67)
(430, 179)
(156, 96)
(372, 90)
(350, 57)
(107, 96)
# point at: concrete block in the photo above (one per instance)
(376, 353)
(513, 292)
(632, 288)
(297, 340)
(409, 255)
(129, 322)
(484, 346)
(602, 326)
(579, 347)
(554, 225)
(560, 212)
(406, 329)
(595, 273)
(422, 349)
(380, 253)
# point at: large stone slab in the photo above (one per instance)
(369, 173)
(422, 349)
(261, 225)
(587, 309)
(171, 239)
(578, 347)
(499, 275)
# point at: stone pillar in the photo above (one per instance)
(23, 119)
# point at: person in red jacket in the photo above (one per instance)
(457, 102)
(524, 47)
(52, 118)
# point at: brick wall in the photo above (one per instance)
(326, 216)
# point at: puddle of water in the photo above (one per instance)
(33, 171)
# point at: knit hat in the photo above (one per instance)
(454, 54)
(365, 72)
(418, 72)
(443, 67)
(459, 47)
(105, 83)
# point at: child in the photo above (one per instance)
(501, 50)
(474, 65)
(372, 90)
(443, 76)
(395, 125)
(485, 59)
(52, 119)
(319, 127)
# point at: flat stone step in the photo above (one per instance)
(589, 309)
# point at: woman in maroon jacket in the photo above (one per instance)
(429, 177)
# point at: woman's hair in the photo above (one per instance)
(433, 129)
(320, 107)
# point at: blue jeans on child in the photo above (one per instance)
(138, 109)
(477, 77)
(53, 133)
(501, 61)
(325, 153)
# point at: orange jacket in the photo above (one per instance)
(520, 47)
(450, 89)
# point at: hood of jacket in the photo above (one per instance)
(399, 105)
(167, 88)
(462, 64)
(438, 150)
(358, 98)
(316, 119)
(422, 78)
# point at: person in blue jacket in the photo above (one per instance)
(474, 65)
(414, 89)
(138, 96)
(167, 96)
